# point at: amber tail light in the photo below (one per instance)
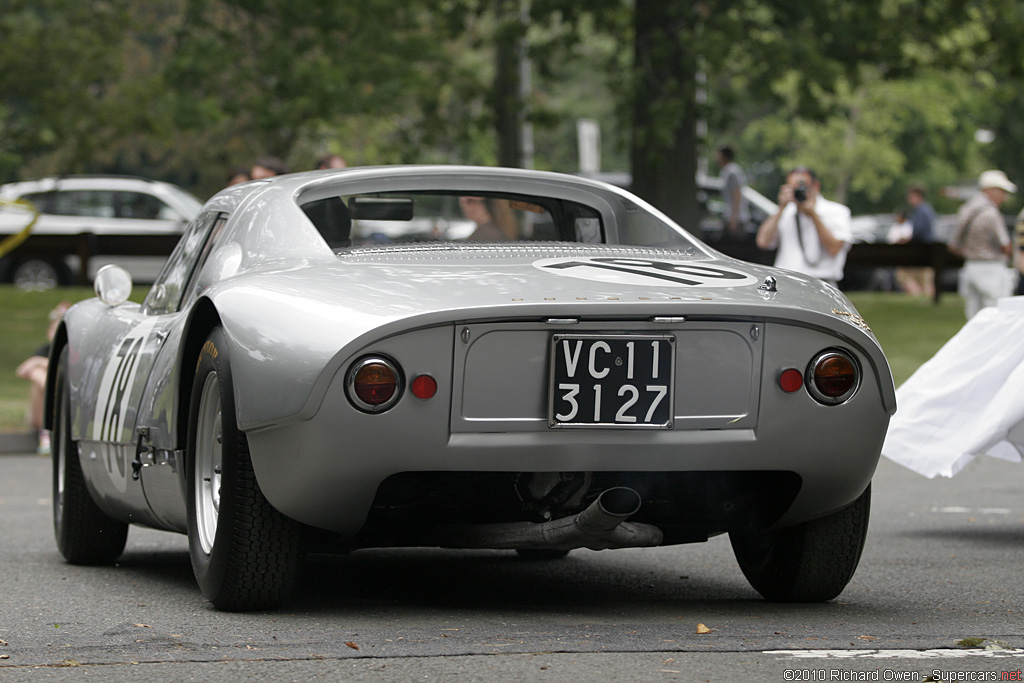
(374, 384)
(833, 377)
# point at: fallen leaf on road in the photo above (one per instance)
(970, 642)
(5, 656)
(351, 645)
(2, 641)
(867, 637)
(142, 625)
(701, 628)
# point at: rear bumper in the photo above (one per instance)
(320, 476)
(326, 471)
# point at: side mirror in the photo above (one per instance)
(113, 285)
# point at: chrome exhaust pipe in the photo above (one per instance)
(601, 526)
(612, 508)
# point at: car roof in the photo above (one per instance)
(177, 196)
(312, 185)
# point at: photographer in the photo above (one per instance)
(811, 233)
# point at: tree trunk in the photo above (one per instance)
(507, 101)
(664, 145)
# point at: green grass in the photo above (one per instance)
(23, 323)
(910, 331)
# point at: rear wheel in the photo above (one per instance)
(84, 533)
(810, 562)
(245, 554)
(39, 274)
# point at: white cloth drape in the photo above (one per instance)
(968, 400)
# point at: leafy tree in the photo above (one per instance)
(906, 114)
(882, 136)
(279, 76)
(60, 63)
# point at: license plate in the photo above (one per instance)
(602, 380)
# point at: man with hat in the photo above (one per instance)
(981, 238)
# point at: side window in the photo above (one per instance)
(166, 293)
(92, 203)
(139, 205)
(43, 201)
(643, 229)
(588, 230)
(192, 290)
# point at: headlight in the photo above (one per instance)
(374, 384)
(833, 377)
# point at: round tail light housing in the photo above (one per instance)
(374, 384)
(833, 377)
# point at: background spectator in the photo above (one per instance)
(733, 180)
(812, 233)
(268, 167)
(332, 161)
(981, 238)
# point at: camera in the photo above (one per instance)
(800, 192)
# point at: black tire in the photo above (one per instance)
(541, 554)
(245, 554)
(810, 562)
(35, 274)
(85, 534)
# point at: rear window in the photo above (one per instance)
(477, 217)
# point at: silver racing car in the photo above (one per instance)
(463, 357)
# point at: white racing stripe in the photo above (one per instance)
(898, 654)
(956, 510)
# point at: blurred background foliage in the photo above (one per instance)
(875, 94)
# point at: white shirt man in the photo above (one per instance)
(812, 236)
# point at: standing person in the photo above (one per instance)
(812, 234)
(268, 167)
(733, 180)
(485, 213)
(982, 240)
(1019, 230)
(34, 369)
(331, 161)
(238, 175)
(919, 281)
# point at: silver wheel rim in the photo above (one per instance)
(209, 438)
(35, 275)
(60, 453)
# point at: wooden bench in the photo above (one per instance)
(864, 255)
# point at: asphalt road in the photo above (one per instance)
(943, 563)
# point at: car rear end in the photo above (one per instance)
(719, 417)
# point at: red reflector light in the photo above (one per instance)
(374, 384)
(791, 380)
(834, 377)
(424, 386)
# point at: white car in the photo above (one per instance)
(90, 216)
